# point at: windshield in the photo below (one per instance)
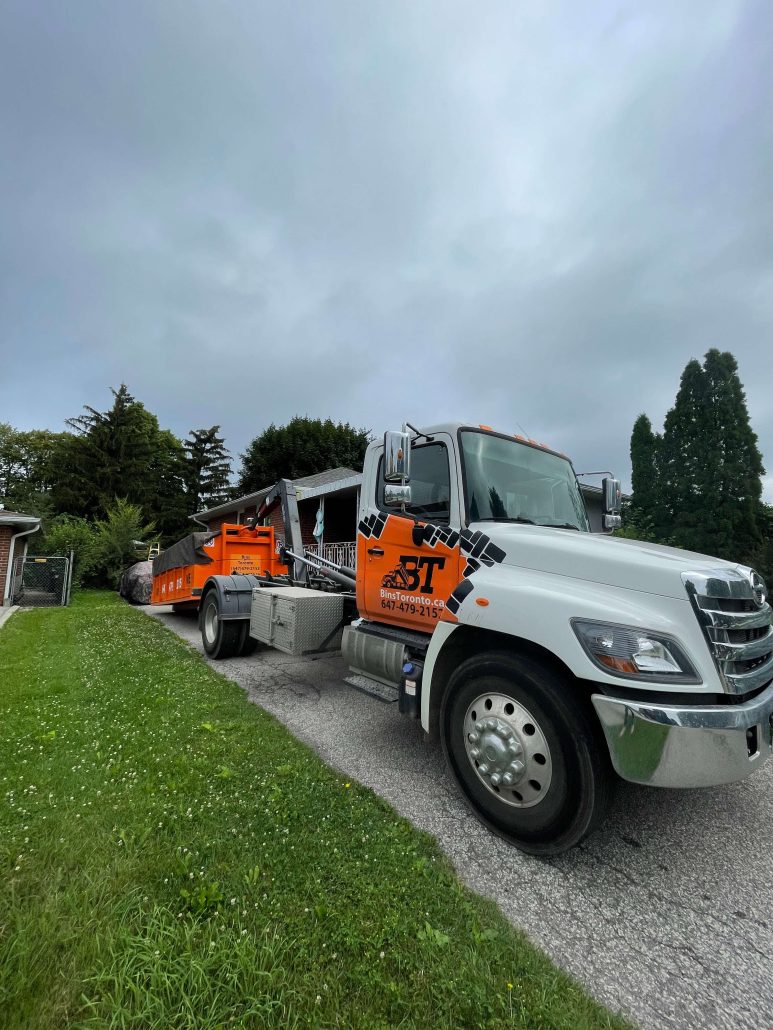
(507, 481)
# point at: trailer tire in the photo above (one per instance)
(524, 752)
(221, 639)
(247, 644)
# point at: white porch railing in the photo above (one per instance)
(342, 554)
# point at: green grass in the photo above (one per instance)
(171, 857)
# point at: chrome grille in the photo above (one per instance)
(736, 626)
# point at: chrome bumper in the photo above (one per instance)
(673, 746)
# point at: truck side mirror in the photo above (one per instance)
(397, 457)
(613, 496)
(396, 495)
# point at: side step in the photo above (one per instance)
(372, 687)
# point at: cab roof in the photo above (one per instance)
(453, 427)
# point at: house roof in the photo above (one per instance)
(17, 518)
(325, 478)
(596, 491)
(306, 487)
(321, 483)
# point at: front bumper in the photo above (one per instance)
(687, 746)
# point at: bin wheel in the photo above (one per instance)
(247, 643)
(220, 639)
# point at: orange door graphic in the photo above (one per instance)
(409, 570)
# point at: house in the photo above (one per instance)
(336, 493)
(594, 504)
(15, 528)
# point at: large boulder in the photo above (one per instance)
(137, 583)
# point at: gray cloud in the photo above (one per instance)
(524, 214)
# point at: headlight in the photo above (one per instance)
(634, 653)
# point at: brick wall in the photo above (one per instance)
(6, 532)
(275, 520)
(307, 512)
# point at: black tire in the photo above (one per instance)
(576, 764)
(246, 643)
(220, 639)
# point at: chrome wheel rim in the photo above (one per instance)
(210, 623)
(507, 750)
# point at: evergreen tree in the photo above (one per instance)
(683, 451)
(762, 559)
(170, 508)
(208, 468)
(708, 467)
(301, 448)
(109, 456)
(644, 467)
(117, 539)
(122, 453)
(731, 470)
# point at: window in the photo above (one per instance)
(430, 484)
(508, 481)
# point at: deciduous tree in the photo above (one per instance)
(28, 466)
(301, 448)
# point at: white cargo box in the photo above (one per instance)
(296, 620)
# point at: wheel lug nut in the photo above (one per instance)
(508, 779)
(517, 768)
(502, 731)
(496, 779)
(473, 738)
(475, 752)
(514, 747)
(479, 727)
(483, 769)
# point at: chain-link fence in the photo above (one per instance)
(41, 582)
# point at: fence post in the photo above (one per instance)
(68, 589)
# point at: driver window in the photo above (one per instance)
(430, 484)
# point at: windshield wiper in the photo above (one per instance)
(561, 525)
(507, 518)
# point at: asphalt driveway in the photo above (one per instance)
(666, 914)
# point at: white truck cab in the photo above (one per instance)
(544, 655)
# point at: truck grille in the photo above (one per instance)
(736, 619)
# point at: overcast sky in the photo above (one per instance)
(526, 214)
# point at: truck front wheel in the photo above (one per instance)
(220, 639)
(523, 750)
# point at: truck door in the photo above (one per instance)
(408, 562)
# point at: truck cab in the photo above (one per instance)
(547, 658)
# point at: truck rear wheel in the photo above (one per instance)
(220, 639)
(247, 644)
(523, 751)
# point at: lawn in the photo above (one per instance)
(171, 857)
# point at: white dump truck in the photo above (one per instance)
(547, 658)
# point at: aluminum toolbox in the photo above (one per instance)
(296, 620)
